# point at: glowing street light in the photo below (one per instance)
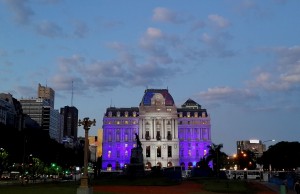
(268, 140)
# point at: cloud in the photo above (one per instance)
(21, 11)
(218, 21)
(3, 53)
(154, 43)
(161, 14)
(227, 95)
(81, 29)
(49, 29)
(63, 82)
(252, 8)
(66, 65)
(26, 92)
(198, 25)
(283, 74)
(51, 1)
(107, 75)
(217, 44)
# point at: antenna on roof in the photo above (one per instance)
(72, 95)
(110, 102)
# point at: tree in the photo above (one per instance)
(217, 157)
(283, 155)
(3, 160)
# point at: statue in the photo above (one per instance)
(138, 142)
(136, 166)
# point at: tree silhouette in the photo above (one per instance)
(283, 155)
(217, 157)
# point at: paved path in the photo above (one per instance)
(187, 187)
(276, 188)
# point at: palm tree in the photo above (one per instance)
(216, 156)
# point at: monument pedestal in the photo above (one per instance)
(85, 190)
(84, 187)
(136, 166)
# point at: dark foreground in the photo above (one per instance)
(185, 187)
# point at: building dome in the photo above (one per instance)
(149, 93)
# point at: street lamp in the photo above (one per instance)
(268, 140)
(86, 126)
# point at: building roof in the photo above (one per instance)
(149, 93)
(191, 104)
(122, 111)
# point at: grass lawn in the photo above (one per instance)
(40, 188)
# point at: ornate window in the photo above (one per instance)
(169, 136)
(158, 137)
(188, 114)
(148, 152)
(147, 136)
(109, 137)
(180, 114)
(158, 151)
(169, 151)
(195, 114)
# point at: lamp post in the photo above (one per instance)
(268, 140)
(86, 126)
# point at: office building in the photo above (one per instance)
(70, 121)
(48, 94)
(255, 146)
(45, 117)
(11, 113)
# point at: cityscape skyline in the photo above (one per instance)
(240, 61)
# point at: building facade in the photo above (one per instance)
(44, 115)
(255, 146)
(70, 124)
(170, 136)
(48, 94)
(11, 113)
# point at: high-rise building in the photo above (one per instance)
(170, 136)
(70, 124)
(44, 115)
(47, 94)
(255, 146)
(11, 113)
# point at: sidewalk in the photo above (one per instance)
(277, 188)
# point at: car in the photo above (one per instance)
(5, 176)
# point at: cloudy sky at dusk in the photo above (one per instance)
(239, 59)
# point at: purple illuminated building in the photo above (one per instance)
(170, 136)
